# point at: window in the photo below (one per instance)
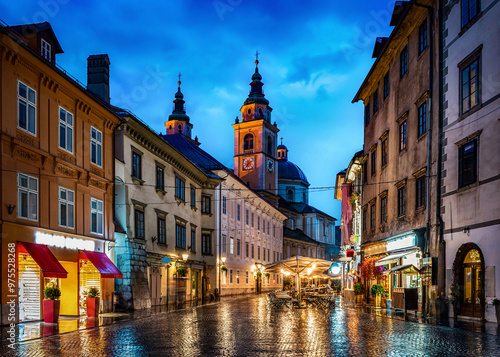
(404, 61)
(422, 37)
(136, 165)
(258, 253)
(372, 216)
(420, 194)
(384, 152)
(270, 146)
(383, 209)
(238, 212)
(467, 163)
(65, 130)
(180, 236)
(253, 251)
(66, 208)
(237, 276)
(422, 119)
(252, 219)
(95, 146)
(231, 245)
(367, 114)
(268, 225)
(193, 239)
(470, 86)
(289, 195)
(263, 225)
(162, 231)
(27, 197)
(206, 242)
(365, 172)
(139, 224)
(258, 223)
(230, 276)
(246, 277)
(470, 8)
(26, 115)
(193, 197)
(364, 218)
(268, 254)
(180, 186)
(238, 247)
(246, 217)
(401, 200)
(402, 136)
(224, 205)
(375, 101)
(96, 216)
(46, 50)
(248, 142)
(274, 230)
(205, 204)
(247, 249)
(374, 161)
(224, 243)
(160, 178)
(386, 85)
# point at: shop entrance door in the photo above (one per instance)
(471, 301)
(29, 289)
(194, 284)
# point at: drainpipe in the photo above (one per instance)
(425, 253)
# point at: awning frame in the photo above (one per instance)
(102, 263)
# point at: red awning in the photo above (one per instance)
(102, 263)
(42, 255)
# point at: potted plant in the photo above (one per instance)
(336, 288)
(93, 302)
(456, 294)
(267, 274)
(223, 268)
(496, 303)
(51, 304)
(181, 272)
(377, 290)
(388, 302)
(359, 290)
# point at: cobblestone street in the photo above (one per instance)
(247, 327)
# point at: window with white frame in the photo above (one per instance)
(237, 277)
(224, 205)
(95, 146)
(65, 130)
(46, 50)
(231, 245)
(96, 216)
(224, 243)
(27, 193)
(66, 208)
(26, 103)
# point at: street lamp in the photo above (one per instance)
(258, 273)
(221, 263)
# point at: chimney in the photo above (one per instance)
(98, 76)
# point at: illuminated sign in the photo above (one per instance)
(401, 243)
(63, 242)
(335, 270)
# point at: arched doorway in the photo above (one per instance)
(469, 273)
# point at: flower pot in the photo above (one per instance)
(388, 304)
(51, 310)
(378, 301)
(359, 299)
(93, 306)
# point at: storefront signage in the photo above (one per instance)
(401, 243)
(63, 242)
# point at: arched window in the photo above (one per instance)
(180, 127)
(248, 142)
(289, 195)
(261, 113)
(270, 145)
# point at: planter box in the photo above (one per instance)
(378, 301)
(93, 306)
(51, 310)
(359, 299)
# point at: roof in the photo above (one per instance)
(297, 234)
(287, 170)
(40, 27)
(301, 208)
(203, 160)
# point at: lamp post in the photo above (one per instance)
(258, 277)
(221, 264)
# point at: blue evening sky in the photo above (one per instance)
(314, 56)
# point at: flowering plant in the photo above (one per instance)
(354, 239)
(377, 289)
(359, 289)
(354, 198)
(369, 271)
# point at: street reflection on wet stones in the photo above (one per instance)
(249, 327)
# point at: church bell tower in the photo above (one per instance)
(255, 140)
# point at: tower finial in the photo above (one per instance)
(179, 82)
(281, 140)
(257, 57)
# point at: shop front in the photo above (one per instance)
(47, 258)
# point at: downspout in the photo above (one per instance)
(425, 253)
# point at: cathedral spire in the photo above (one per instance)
(178, 121)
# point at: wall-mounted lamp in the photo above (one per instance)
(223, 260)
(185, 256)
(189, 248)
(153, 239)
(11, 208)
(467, 230)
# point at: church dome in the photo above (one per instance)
(287, 170)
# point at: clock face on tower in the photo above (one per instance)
(270, 165)
(248, 163)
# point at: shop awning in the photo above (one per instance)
(102, 263)
(390, 259)
(409, 269)
(42, 255)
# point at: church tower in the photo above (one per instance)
(178, 121)
(255, 140)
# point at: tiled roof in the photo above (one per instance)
(297, 234)
(301, 208)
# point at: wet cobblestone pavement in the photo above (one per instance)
(247, 327)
